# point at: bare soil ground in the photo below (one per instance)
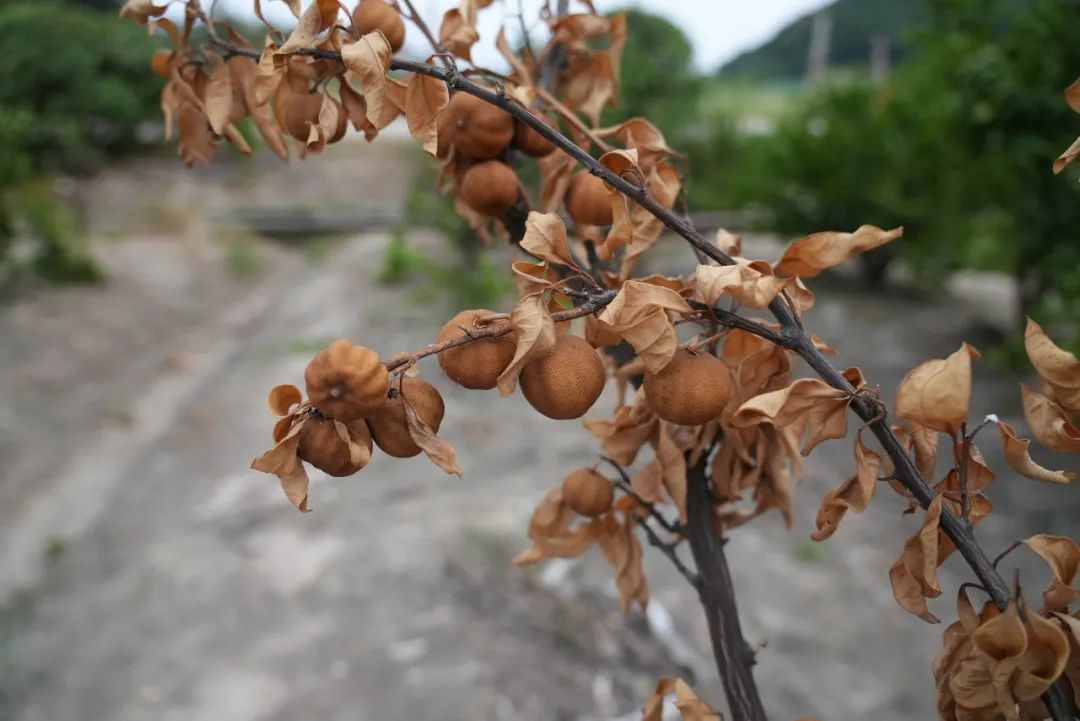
(148, 574)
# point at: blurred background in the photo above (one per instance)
(145, 310)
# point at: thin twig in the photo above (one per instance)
(669, 550)
(626, 486)
(962, 469)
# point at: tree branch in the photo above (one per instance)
(734, 656)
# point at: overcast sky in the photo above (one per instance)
(719, 29)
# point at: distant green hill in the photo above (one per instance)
(854, 23)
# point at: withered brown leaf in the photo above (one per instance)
(1048, 422)
(425, 98)
(750, 283)
(1059, 368)
(1016, 453)
(545, 237)
(690, 705)
(809, 256)
(854, 494)
(441, 453)
(639, 313)
(369, 58)
(1062, 554)
(535, 331)
(937, 394)
(914, 576)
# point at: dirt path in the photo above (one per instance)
(150, 575)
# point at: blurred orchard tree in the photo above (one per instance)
(71, 99)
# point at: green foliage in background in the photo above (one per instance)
(76, 87)
(956, 146)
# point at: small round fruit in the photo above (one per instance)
(388, 426)
(490, 188)
(587, 200)
(531, 142)
(565, 383)
(372, 15)
(302, 112)
(587, 493)
(347, 381)
(690, 390)
(321, 446)
(477, 129)
(475, 365)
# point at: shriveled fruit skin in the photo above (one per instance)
(490, 188)
(565, 383)
(321, 446)
(389, 428)
(475, 365)
(692, 389)
(531, 142)
(347, 381)
(587, 493)
(372, 15)
(301, 112)
(477, 129)
(587, 200)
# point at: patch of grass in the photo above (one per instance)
(242, 258)
(305, 346)
(808, 551)
(55, 549)
(400, 262)
(317, 248)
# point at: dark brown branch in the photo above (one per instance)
(734, 656)
(668, 550)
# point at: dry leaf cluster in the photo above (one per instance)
(696, 381)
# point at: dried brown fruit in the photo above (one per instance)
(389, 426)
(690, 390)
(479, 364)
(347, 381)
(565, 383)
(531, 142)
(323, 444)
(490, 188)
(302, 112)
(474, 127)
(587, 493)
(587, 200)
(372, 15)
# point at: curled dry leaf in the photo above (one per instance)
(639, 313)
(810, 403)
(218, 98)
(623, 163)
(590, 83)
(623, 551)
(441, 453)
(809, 256)
(640, 135)
(1071, 625)
(1059, 368)
(854, 494)
(356, 109)
(623, 436)
(283, 460)
(1043, 660)
(664, 184)
(1066, 158)
(1048, 422)
(1063, 556)
(552, 534)
(937, 393)
(283, 398)
(728, 242)
(1016, 453)
(142, 10)
(545, 237)
(369, 58)
(318, 16)
(750, 283)
(1072, 95)
(458, 30)
(531, 278)
(425, 97)
(914, 576)
(689, 703)
(535, 331)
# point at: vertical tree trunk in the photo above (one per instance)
(734, 657)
